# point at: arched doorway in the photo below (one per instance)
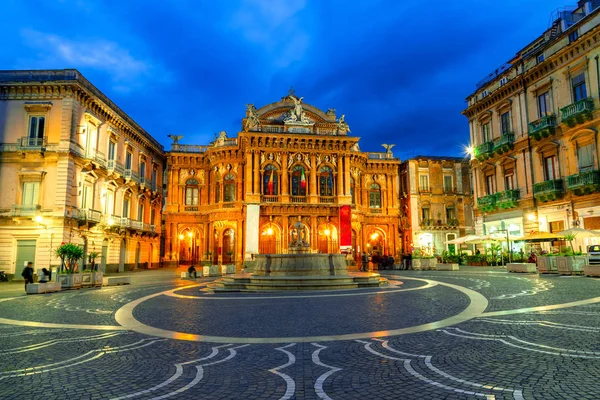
(122, 254)
(189, 246)
(327, 240)
(270, 239)
(104, 255)
(376, 245)
(228, 246)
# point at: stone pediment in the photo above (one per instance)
(292, 115)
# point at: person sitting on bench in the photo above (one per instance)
(192, 271)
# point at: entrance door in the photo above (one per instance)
(137, 255)
(104, 256)
(25, 253)
(122, 256)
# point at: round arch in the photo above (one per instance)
(327, 238)
(269, 241)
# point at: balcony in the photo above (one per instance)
(99, 158)
(507, 199)
(548, 190)
(190, 208)
(484, 151)
(137, 225)
(298, 199)
(584, 182)
(326, 199)
(450, 190)
(424, 189)
(433, 224)
(123, 222)
(504, 143)
(543, 127)
(374, 210)
(28, 143)
(487, 203)
(578, 112)
(131, 175)
(269, 199)
(25, 210)
(93, 216)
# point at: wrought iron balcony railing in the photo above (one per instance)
(504, 143)
(548, 190)
(507, 199)
(578, 112)
(25, 210)
(484, 151)
(487, 203)
(542, 127)
(584, 182)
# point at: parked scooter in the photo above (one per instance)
(3, 276)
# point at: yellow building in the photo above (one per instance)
(74, 168)
(291, 162)
(534, 125)
(436, 202)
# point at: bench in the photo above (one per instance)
(527, 268)
(116, 280)
(36, 288)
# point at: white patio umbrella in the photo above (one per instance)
(580, 233)
(463, 239)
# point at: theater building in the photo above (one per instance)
(240, 196)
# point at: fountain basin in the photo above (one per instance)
(300, 265)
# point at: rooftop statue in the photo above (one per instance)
(252, 120)
(342, 125)
(297, 114)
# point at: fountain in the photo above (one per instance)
(299, 270)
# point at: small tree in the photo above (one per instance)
(69, 254)
(92, 259)
(570, 237)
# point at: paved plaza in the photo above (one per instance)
(475, 333)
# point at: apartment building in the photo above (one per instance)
(436, 203)
(74, 168)
(533, 129)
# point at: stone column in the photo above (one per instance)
(239, 251)
(285, 235)
(346, 176)
(313, 233)
(248, 174)
(256, 168)
(314, 195)
(340, 179)
(285, 186)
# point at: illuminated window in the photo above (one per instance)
(375, 196)
(191, 192)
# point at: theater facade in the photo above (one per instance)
(240, 196)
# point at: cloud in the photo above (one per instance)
(54, 51)
(276, 26)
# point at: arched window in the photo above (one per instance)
(191, 192)
(270, 181)
(326, 181)
(229, 188)
(352, 189)
(375, 196)
(298, 181)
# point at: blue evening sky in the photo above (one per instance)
(399, 70)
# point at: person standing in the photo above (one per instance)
(27, 274)
(364, 262)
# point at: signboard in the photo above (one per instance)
(345, 229)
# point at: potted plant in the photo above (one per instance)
(92, 277)
(546, 263)
(69, 254)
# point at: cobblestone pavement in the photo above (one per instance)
(538, 338)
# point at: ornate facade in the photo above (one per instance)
(291, 162)
(436, 202)
(534, 130)
(74, 168)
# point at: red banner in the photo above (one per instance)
(345, 229)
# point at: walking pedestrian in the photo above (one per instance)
(27, 274)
